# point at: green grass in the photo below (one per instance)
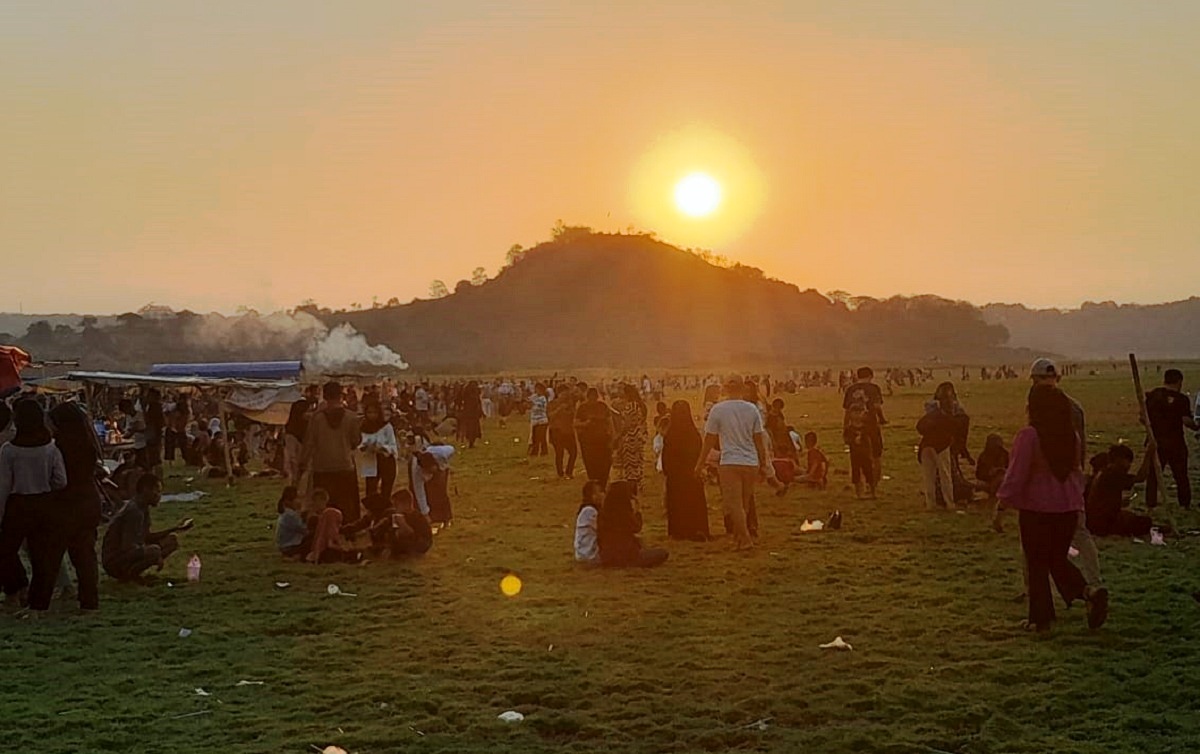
(678, 659)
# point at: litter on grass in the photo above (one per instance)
(837, 644)
(1156, 537)
(759, 725)
(184, 497)
(202, 692)
(335, 591)
(250, 683)
(282, 584)
(812, 525)
(511, 716)
(184, 633)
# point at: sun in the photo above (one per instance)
(697, 195)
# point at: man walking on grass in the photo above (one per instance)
(738, 426)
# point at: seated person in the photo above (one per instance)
(1105, 502)
(587, 550)
(617, 527)
(326, 525)
(292, 536)
(991, 466)
(1098, 462)
(410, 530)
(129, 546)
(375, 522)
(817, 474)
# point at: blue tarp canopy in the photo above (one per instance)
(245, 370)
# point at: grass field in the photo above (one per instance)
(684, 658)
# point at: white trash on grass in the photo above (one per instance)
(335, 591)
(511, 716)
(837, 643)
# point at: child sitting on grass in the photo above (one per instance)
(817, 474)
(326, 524)
(587, 549)
(411, 533)
(292, 536)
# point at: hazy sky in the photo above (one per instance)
(211, 154)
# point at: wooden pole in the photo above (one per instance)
(228, 438)
(1156, 465)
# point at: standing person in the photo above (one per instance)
(594, 423)
(156, 423)
(1170, 411)
(632, 436)
(293, 441)
(379, 441)
(687, 506)
(539, 421)
(940, 429)
(738, 426)
(31, 470)
(1046, 373)
(77, 514)
(1044, 482)
(862, 424)
(332, 436)
(561, 411)
(421, 403)
(470, 414)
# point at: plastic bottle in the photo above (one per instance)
(193, 568)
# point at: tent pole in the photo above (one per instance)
(228, 439)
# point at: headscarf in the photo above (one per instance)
(297, 423)
(30, 423)
(682, 425)
(76, 440)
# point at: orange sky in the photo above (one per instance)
(217, 154)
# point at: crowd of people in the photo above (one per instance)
(365, 471)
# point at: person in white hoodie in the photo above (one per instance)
(378, 451)
(587, 544)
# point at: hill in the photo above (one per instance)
(627, 301)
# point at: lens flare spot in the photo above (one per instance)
(510, 585)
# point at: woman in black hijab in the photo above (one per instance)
(31, 469)
(687, 508)
(72, 527)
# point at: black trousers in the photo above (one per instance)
(537, 441)
(20, 520)
(342, 487)
(1046, 540)
(1175, 456)
(597, 459)
(563, 441)
(386, 480)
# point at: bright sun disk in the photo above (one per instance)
(697, 194)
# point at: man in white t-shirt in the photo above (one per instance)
(738, 425)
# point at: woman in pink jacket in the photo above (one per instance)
(1045, 484)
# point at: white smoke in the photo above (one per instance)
(344, 347)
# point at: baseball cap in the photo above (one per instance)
(1043, 368)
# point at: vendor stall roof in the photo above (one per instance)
(255, 370)
(118, 379)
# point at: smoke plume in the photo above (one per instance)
(343, 347)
